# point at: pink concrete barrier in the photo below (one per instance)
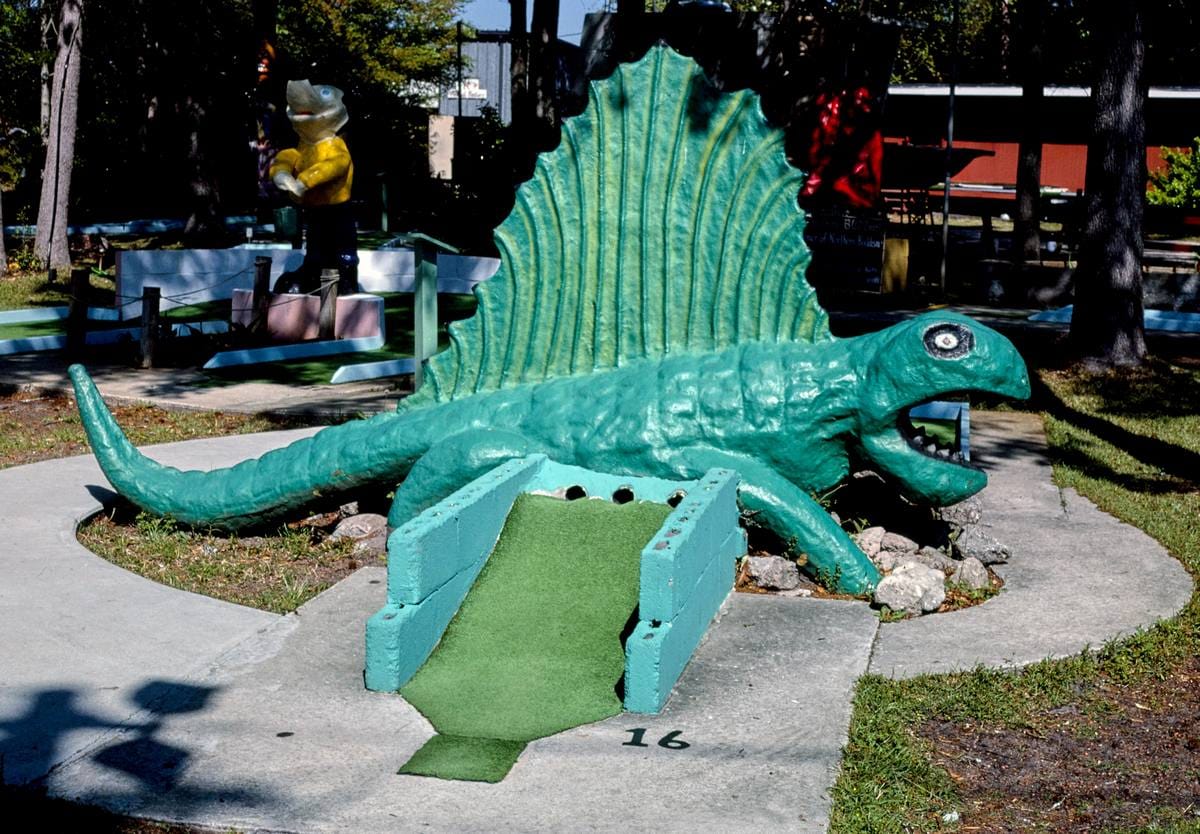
(294, 318)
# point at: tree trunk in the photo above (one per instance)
(1107, 325)
(1026, 240)
(519, 63)
(3, 251)
(51, 241)
(519, 144)
(543, 37)
(46, 74)
(205, 224)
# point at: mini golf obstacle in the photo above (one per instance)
(508, 603)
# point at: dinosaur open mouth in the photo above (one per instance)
(944, 445)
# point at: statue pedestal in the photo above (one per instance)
(295, 318)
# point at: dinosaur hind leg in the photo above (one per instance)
(792, 514)
(450, 464)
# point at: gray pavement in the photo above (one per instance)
(192, 389)
(1078, 576)
(154, 702)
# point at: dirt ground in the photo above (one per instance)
(1120, 758)
(36, 426)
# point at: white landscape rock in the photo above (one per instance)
(971, 574)
(963, 514)
(369, 531)
(773, 573)
(870, 540)
(896, 543)
(934, 558)
(913, 588)
(985, 548)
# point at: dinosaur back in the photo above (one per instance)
(665, 221)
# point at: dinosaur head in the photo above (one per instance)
(316, 110)
(930, 357)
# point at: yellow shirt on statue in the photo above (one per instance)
(324, 168)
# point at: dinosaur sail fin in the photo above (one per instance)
(665, 221)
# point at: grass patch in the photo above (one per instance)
(1130, 444)
(277, 573)
(32, 289)
(34, 428)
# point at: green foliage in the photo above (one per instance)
(166, 93)
(20, 44)
(1179, 184)
(371, 47)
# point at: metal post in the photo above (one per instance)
(424, 308)
(458, 41)
(261, 299)
(383, 219)
(77, 312)
(949, 144)
(151, 296)
(327, 326)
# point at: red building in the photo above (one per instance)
(988, 117)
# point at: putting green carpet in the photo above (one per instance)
(535, 648)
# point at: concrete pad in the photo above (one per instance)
(756, 718)
(1078, 577)
(85, 642)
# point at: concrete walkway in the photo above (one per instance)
(191, 389)
(123, 693)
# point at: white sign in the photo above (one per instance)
(470, 90)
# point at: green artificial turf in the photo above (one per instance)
(535, 648)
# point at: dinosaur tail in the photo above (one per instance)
(335, 459)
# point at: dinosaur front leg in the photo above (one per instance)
(791, 513)
(451, 463)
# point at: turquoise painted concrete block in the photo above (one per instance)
(423, 555)
(686, 570)
(555, 478)
(483, 506)
(655, 656)
(449, 537)
(401, 637)
(674, 560)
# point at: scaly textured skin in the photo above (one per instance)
(787, 417)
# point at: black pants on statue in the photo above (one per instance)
(332, 243)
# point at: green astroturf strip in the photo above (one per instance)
(465, 758)
(535, 648)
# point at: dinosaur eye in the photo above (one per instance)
(949, 341)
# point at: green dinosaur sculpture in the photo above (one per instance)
(650, 316)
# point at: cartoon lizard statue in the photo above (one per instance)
(318, 176)
(650, 316)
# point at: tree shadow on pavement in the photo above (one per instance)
(36, 743)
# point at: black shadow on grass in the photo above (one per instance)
(1179, 463)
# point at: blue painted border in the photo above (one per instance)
(301, 350)
(34, 344)
(959, 412)
(1170, 321)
